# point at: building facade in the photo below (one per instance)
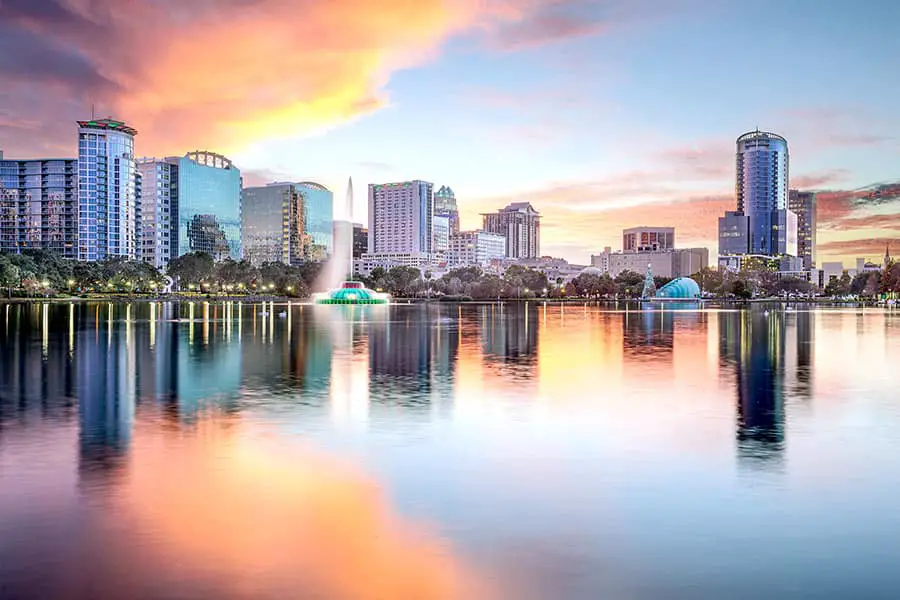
(360, 240)
(682, 262)
(441, 225)
(520, 224)
(761, 188)
(445, 205)
(318, 223)
(804, 205)
(108, 203)
(272, 224)
(209, 205)
(38, 205)
(159, 210)
(479, 248)
(401, 218)
(763, 224)
(648, 239)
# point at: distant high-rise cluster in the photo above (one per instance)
(106, 204)
(411, 225)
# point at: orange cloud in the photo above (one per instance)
(222, 74)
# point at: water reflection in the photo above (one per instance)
(617, 425)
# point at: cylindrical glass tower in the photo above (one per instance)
(762, 188)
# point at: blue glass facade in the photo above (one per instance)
(762, 190)
(38, 204)
(318, 220)
(108, 200)
(209, 206)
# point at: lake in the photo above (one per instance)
(227, 450)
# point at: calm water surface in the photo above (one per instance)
(437, 452)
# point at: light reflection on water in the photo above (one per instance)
(271, 451)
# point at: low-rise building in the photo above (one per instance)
(475, 248)
(664, 263)
(388, 260)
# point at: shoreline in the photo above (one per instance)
(179, 298)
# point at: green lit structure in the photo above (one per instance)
(352, 292)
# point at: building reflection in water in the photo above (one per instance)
(105, 354)
(764, 347)
(509, 337)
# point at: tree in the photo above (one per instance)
(9, 275)
(867, 283)
(890, 281)
(400, 280)
(192, 269)
(711, 281)
(740, 289)
(838, 286)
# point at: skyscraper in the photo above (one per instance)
(273, 224)
(803, 204)
(318, 222)
(209, 205)
(159, 210)
(38, 204)
(400, 218)
(107, 197)
(762, 225)
(445, 206)
(521, 225)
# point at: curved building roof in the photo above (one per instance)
(759, 135)
(682, 287)
(314, 186)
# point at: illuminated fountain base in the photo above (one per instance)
(351, 292)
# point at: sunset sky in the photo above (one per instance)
(603, 114)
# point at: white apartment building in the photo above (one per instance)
(475, 248)
(401, 218)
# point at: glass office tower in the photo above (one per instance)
(38, 205)
(209, 205)
(107, 196)
(762, 191)
(318, 212)
(273, 224)
(803, 204)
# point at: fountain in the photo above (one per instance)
(338, 273)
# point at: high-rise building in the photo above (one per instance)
(360, 240)
(159, 210)
(400, 218)
(38, 205)
(445, 205)
(272, 227)
(108, 224)
(762, 187)
(441, 225)
(803, 204)
(648, 239)
(475, 248)
(209, 205)
(762, 225)
(318, 224)
(521, 225)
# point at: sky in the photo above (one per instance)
(604, 114)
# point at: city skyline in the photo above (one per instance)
(567, 105)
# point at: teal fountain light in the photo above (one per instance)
(352, 292)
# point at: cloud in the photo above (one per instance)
(863, 247)
(817, 180)
(225, 73)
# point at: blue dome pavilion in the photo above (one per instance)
(682, 288)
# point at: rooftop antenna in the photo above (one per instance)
(92, 111)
